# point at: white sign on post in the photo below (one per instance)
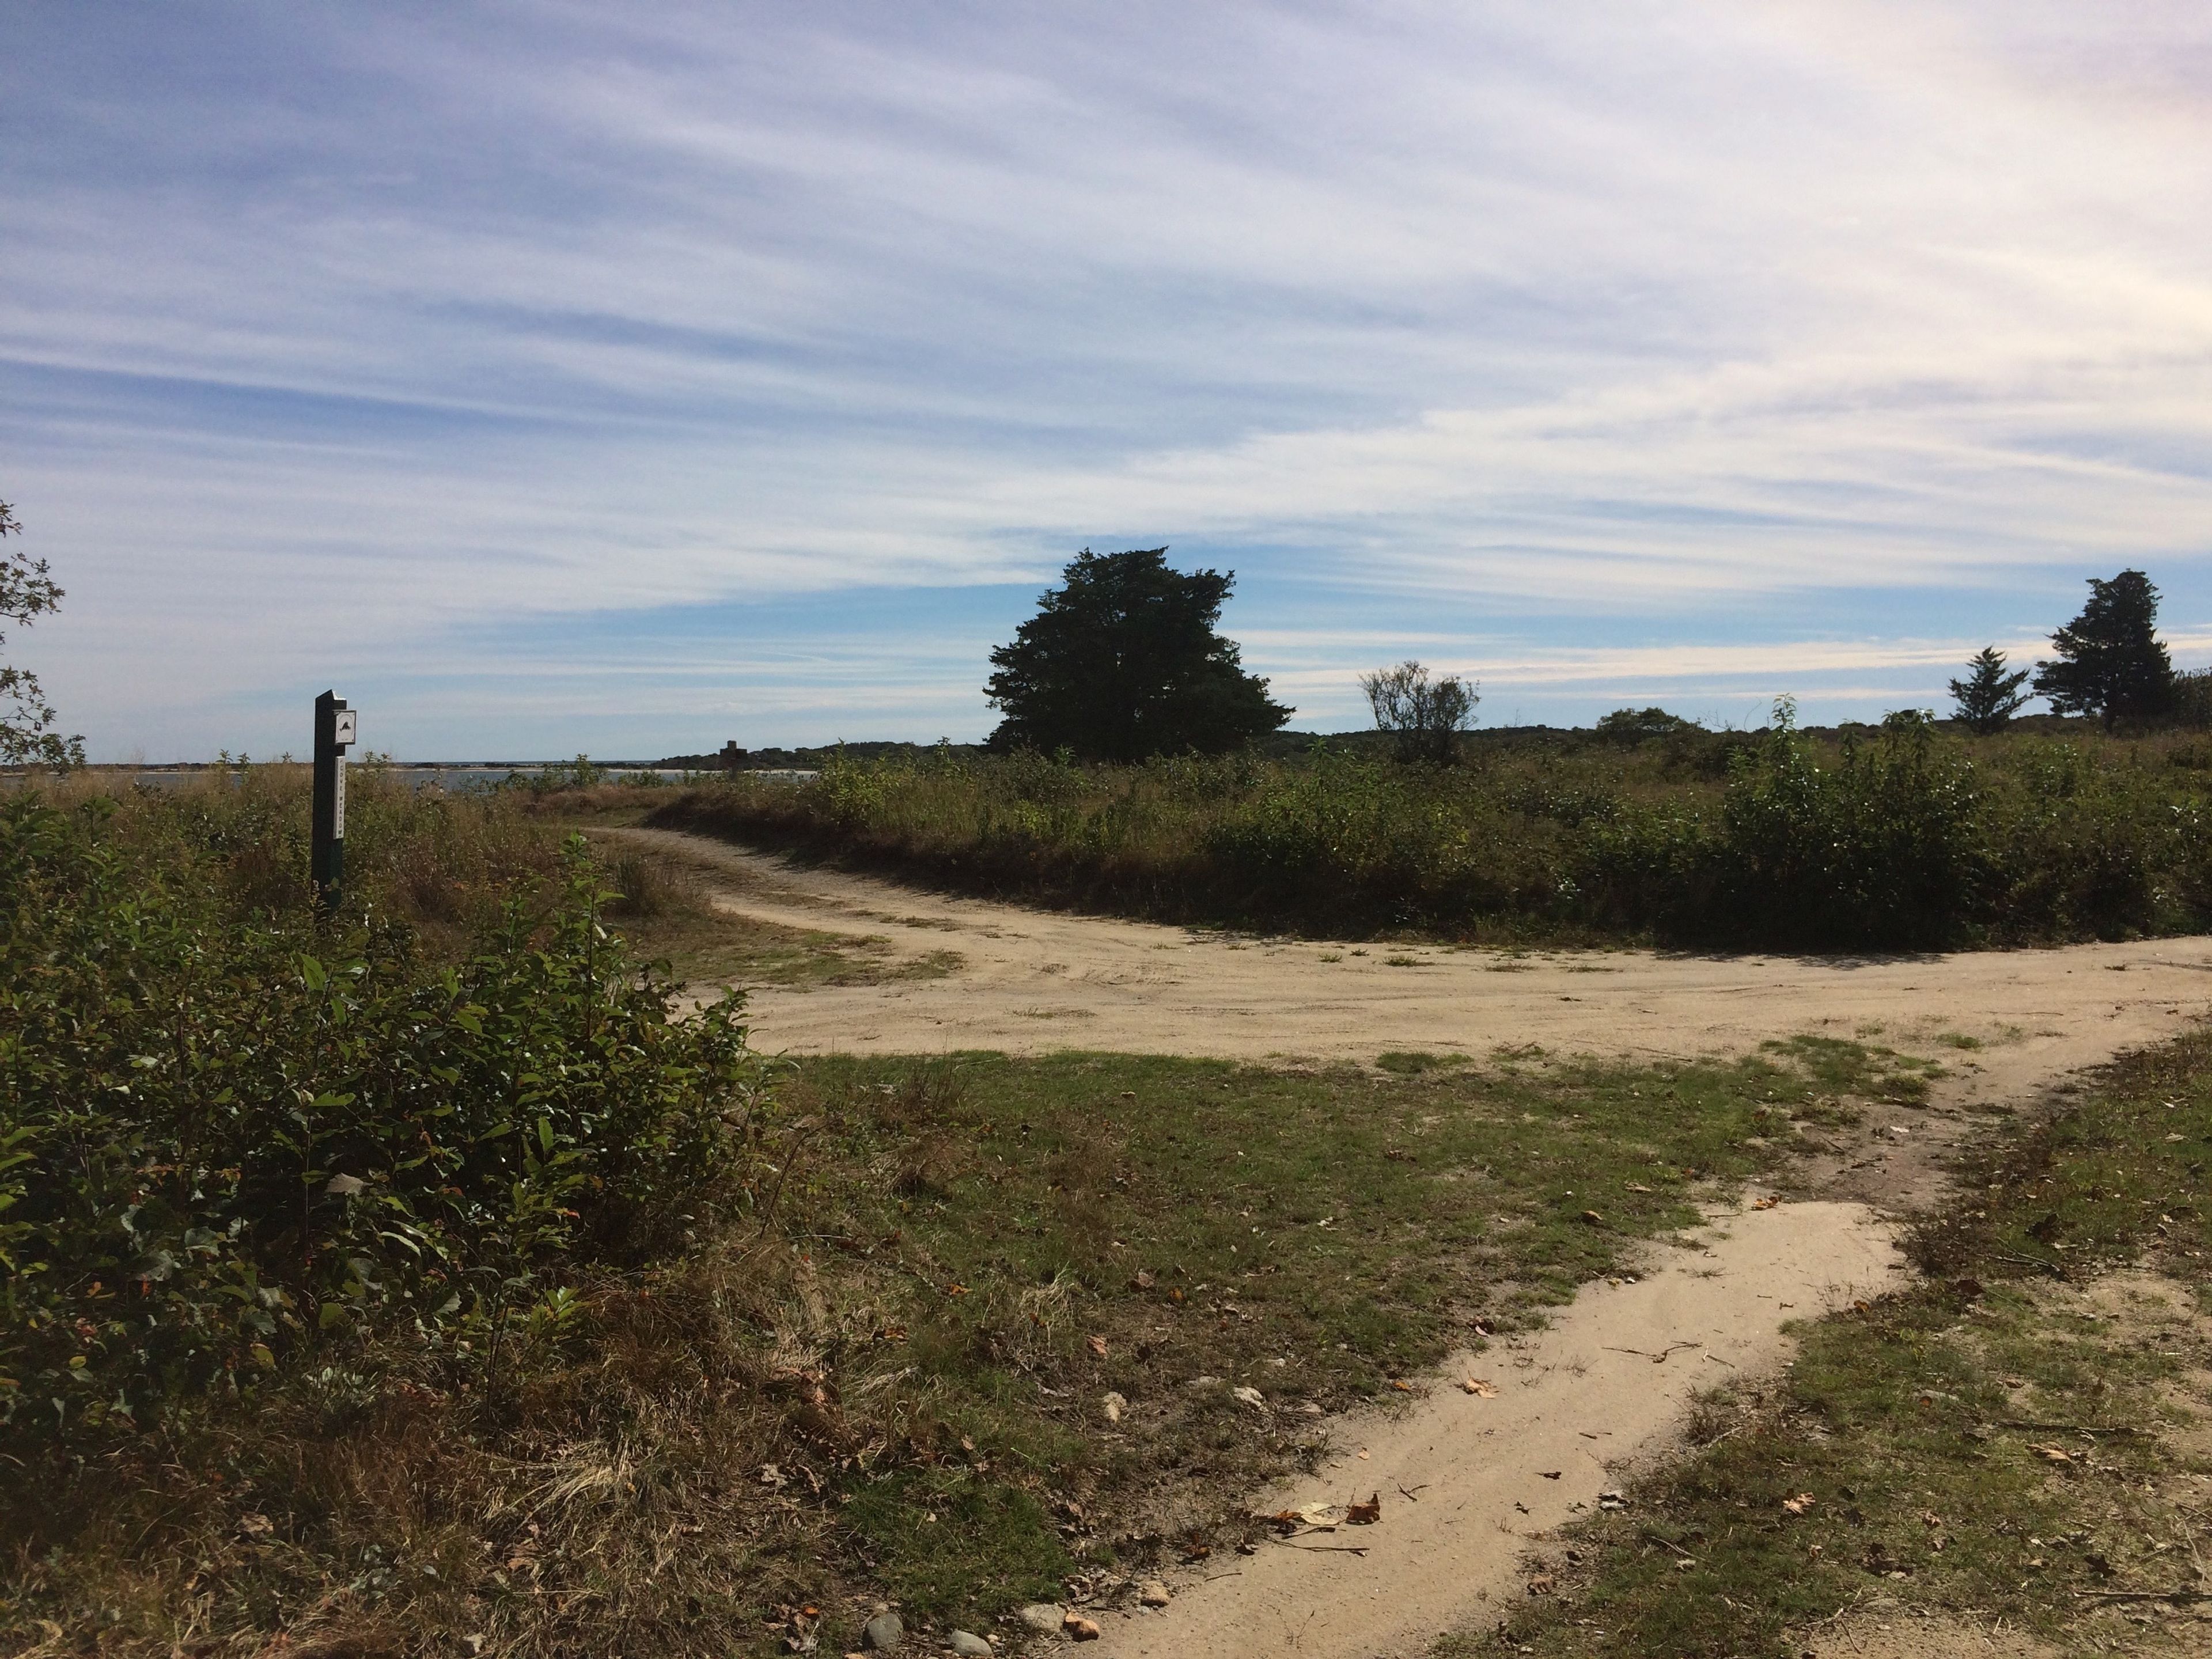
(344, 733)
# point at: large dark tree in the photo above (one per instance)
(2111, 661)
(1122, 662)
(1990, 693)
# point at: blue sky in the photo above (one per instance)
(551, 377)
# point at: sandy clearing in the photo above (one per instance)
(1570, 1399)
(1033, 980)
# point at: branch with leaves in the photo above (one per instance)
(27, 592)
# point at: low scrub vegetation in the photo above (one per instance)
(257, 1167)
(1897, 837)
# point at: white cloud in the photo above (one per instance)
(401, 329)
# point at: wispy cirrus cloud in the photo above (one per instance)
(485, 357)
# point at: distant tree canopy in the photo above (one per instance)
(2111, 661)
(1989, 695)
(26, 719)
(1630, 726)
(1122, 662)
(1425, 716)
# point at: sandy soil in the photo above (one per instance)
(1033, 980)
(1576, 1407)
(1584, 1403)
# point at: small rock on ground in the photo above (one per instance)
(883, 1632)
(1080, 1628)
(1152, 1593)
(1042, 1617)
(975, 1647)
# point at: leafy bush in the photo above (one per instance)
(228, 1142)
(1881, 849)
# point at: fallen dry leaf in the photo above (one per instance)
(1401, 1387)
(1144, 1280)
(1097, 1345)
(1251, 1397)
(1800, 1504)
(1765, 1203)
(1541, 1584)
(1593, 1218)
(1480, 1386)
(2055, 1454)
(1364, 1515)
(1114, 1405)
(1638, 1187)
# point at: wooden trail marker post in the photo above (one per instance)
(334, 735)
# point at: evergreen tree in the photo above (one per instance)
(2110, 660)
(1988, 696)
(1122, 662)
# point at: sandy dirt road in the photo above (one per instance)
(1033, 980)
(1602, 1391)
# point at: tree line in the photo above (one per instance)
(1125, 661)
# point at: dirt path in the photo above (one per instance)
(1583, 1402)
(1031, 981)
(1577, 1407)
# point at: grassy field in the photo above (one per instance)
(2027, 1439)
(1904, 836)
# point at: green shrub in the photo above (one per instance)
(1900, 837)
(1881, 849)
(229, 1143)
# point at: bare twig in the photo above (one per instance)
(1659, 1358)
(2177, 1596)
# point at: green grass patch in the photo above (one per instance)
(1410, 1063)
